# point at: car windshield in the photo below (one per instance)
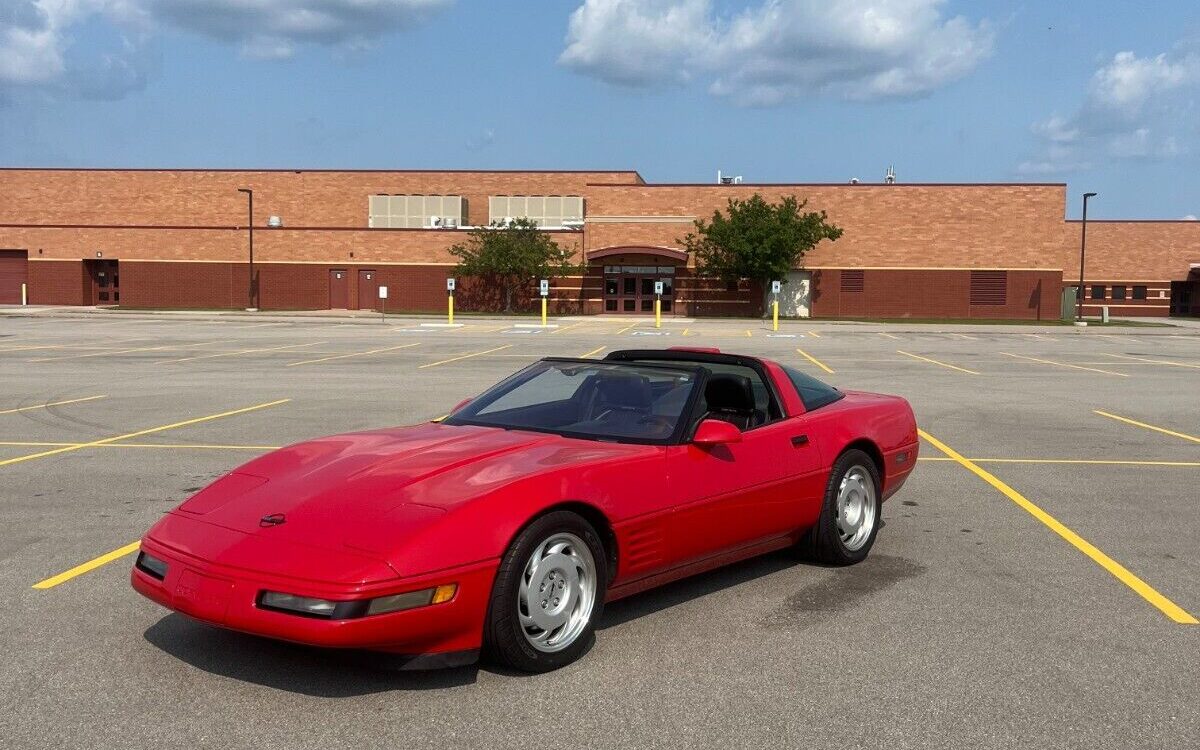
(624, 402)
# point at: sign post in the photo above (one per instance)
(383, 304)
(658, 290)
(450, 301)
(775, 305)
(544, 288)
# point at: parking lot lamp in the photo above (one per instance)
(250, 306)
(1082, 255)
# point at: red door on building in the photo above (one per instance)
(105, 278)
(14, 272)
(339, 289)
(368, 290)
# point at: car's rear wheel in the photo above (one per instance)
(849, 521)
(548, 594)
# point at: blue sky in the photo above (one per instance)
(1102, 95)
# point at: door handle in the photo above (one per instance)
(799, 441)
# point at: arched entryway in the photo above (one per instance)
(629, 274)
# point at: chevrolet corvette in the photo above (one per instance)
(504, 528)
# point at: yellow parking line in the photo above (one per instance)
(88, 566)
(1143, 425)
(626, 328)
(890, 336)
(1064, 364)
(1081, 461)
(748, 334)
(935, 362)
(1151, 361)
(352, 354)
(597, 350)
(965, 336)
(52, 403)
(567, 328)
(814, 334)
(814, 360)
(105, 353)
(685, 330)
(239, 351)
(169, 446)
(464, 356)
(139, 433)
(1164, 605)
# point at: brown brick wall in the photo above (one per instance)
(58, 283)
(425, 246)
(890, 293)
(938, 226)
(301, 198)
(1128, 251)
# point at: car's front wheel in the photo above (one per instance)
(850, 515)
(548, 594)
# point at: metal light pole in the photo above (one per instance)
(250, 306)
(1082, 255)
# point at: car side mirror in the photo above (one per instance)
(712, 432)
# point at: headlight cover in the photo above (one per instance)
(327, 609)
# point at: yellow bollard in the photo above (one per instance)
(775, 315)
(450, 308)
(543, 312)
(24, 295)
(657, 312)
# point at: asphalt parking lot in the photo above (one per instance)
(1036, 584)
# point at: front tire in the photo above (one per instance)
(850, 516)
(548, 595)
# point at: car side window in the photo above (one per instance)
(813, 393)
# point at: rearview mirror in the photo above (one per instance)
(716, 432)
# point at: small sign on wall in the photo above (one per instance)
(383, 292)
(544, 287)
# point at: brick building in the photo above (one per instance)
(328, 239)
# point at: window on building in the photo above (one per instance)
(416, 211)
(1097, 291)
(1118, 292)
(543, 210)
(1139, 292)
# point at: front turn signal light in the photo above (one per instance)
(444, 593)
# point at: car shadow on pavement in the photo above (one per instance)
(703, 584)
(323, 673)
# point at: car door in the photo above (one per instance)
(733, 495)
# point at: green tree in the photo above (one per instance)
(757, 240)
(511, 256)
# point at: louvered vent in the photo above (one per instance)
(989, 287)
(852, 281)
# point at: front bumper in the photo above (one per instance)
(227, 597)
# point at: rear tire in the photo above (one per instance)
(850, 515)
(548, 595)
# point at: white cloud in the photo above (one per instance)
(274, 28)
(1190, 217)
(776, 50)
(37, 36)
(1134, 108)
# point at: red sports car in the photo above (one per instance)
(508, 525)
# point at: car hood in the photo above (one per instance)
(374, 490)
